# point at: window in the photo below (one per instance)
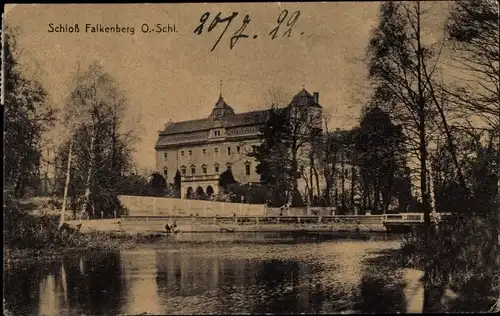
(165, 172)
(238, 149)
(193, 169)
(247, 169)
(182, 152)
(216, 151)
(190, 153)
(217, 133)
(183, 170)
(204, 152)
(204, 167)
(229, 151)
(228, 166)
(216, 167)
(165, 156)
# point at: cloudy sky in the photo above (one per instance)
(175, 76)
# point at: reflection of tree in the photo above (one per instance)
(21, 290)
(380, 290)
(377, 297)
(99, 291)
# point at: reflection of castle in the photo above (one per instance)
(202, 149)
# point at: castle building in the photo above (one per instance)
(202, 149)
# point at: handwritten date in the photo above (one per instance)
(239, 34)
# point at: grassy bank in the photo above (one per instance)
(459, 257)
(28, 236)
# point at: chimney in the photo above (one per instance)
(316, 97)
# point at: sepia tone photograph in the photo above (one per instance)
(251, 158)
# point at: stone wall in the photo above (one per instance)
(156, 206)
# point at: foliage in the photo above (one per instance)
(158, 183)
(226, 179)
(26, 231)
(101, 147)
(177, 184)
(399, 62)
(272, 156)
(473, 29)
(288, 132)
(461, 261)
(27, 116)
(380, 156)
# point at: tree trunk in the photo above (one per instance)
(353, 179)
(342, 181)
(66, 185)
(316, 176)
(88, 181)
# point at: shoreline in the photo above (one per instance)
(96, 242)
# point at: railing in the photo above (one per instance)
(408, 218)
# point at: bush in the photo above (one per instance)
(459, 254)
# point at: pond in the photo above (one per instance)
(218, 277)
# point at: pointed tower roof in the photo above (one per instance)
(304, 98)
(221, 109)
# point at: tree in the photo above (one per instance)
(473, 30)
(399, 65)
(288, 137)
(272, 157)
(329, 157)
(102, 148)
(226, 179)
(27, 115)
(379, 149)
(158, 184)
(177, 184)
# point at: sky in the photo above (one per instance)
(175, 75)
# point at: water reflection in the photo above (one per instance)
(327, 277)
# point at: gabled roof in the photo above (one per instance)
(241, 119)
(229, 119)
